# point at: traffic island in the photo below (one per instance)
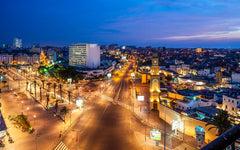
(22, 122)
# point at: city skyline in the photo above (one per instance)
(210, 24)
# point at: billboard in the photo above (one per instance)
(140, 98)
(155, 135)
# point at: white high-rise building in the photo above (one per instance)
(84, 54)
(17, 43)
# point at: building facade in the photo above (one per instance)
(231, 104)
(4, 59)
(84, 54)
(26, 58)
(17, 43)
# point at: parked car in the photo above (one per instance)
(10, 139)
(2, 144)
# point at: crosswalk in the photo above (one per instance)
(61, 146)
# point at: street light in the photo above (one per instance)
(27, 110)
(34, 116)
(22, 106)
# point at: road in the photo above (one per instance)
(104, 126)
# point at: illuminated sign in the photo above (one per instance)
(124, 57)
(155, 135)
(79, 102)
(140, 98)
(132, 74)
(69, 80)
(109, 75)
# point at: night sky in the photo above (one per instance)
(170, 23)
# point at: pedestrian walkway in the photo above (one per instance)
(61, 146)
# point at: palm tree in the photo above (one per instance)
(31, 88)
(35, 84)
(43, 83)
(47, 95)
(49, 84)
(221, 123)
(64, 111)
(60, 87)
(26, 85)
(69, 96)
(4, 82)
(56, 105)
(40, 93)
(54, 89)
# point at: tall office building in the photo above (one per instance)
(17, 43)
(84, 54)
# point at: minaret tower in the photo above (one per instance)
(154, 83)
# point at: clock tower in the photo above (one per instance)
(154, 83)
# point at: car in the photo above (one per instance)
(2, 144)
(10, 139)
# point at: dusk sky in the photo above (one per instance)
(170, 23)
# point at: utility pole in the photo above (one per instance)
(165, 128)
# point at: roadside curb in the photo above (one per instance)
(65, 132)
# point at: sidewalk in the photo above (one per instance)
(47, 126)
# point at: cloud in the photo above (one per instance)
(233, 33)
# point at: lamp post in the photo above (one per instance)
(27, 110)
(40, 94)
(34, 117)
(22, 106)
(19, 84)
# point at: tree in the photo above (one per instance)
(60, 87)
(43, 83)
(4, 82)
(56, 105)
(31, 88)
(49, 84)
(169, 78)
(47, 95)
(26, 85)
(69, 96)
(64, 111)
(54, 89)
(35, 84)
(40, 93)
(221, 123)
